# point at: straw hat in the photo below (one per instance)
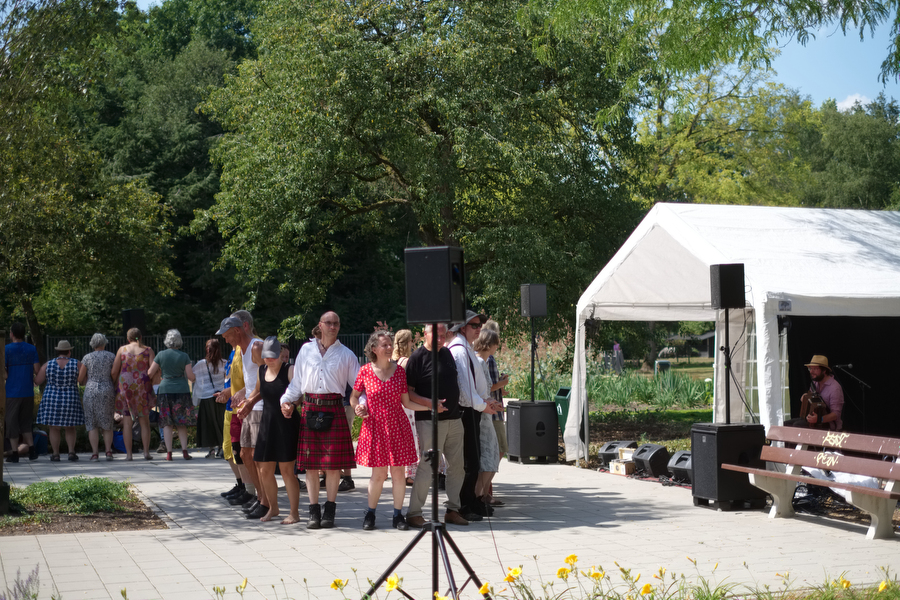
(63, 346)
(819, 361)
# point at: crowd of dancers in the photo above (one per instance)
(267, 417)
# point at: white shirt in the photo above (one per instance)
(207, 387)
(251, 370)
(472, 392)
(318, 374)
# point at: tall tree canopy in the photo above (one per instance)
(453, 122)
(65, 225)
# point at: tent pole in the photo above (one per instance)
(726, 349)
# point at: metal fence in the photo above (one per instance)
(194, 345)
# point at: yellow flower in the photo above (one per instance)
(338, 584)
(243, 585)
(646, 589)
(882, 586)
(393, 582)
(637, 578)
(843, 582)
(438, 597)
(571, 559)
(715, 566)
(484, 589)
(596, 575)
(563, 573)
(513, 574)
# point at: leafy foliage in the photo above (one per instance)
(83, 495)
(430, 120)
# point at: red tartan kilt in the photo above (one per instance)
(326, 450)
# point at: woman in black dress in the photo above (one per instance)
(279, 431)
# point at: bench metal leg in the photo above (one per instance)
(782, 491)
(880, 509)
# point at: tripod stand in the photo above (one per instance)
(440, 537)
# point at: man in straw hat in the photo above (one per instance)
(826, 386)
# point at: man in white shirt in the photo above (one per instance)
(322, 371)
(474, 399)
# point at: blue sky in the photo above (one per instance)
(837, 66)
(831, 66)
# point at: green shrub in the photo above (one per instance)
(82, 495)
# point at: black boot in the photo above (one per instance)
(328, 516)
(315, 517)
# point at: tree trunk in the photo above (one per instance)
(37, 332)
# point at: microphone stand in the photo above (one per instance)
(439, 533)
(862, 388)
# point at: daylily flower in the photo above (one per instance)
(571, 559)
(484, 589)
(646, 589)
(393, 582)
(339, 584)
(563, 573)
(243, 585)
(882, 586)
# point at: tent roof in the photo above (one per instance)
(816, 259)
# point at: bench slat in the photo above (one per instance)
(856, 442)
(868, 467)
(813, 481)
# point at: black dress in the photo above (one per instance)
(277, 439)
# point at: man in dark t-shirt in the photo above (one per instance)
(450, 430)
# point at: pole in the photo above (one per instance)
(435, 459)
(533, 338)
(727, 350)
(4, 489)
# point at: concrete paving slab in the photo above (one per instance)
(551, 511)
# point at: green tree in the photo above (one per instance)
(854, 157)
(65, 224)
(450, 123)
(727, 136)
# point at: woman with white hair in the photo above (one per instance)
(95, 374)
(173, 398)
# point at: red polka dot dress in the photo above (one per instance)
(385, 439)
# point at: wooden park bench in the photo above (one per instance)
(866, 455)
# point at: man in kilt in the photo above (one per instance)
(323, 370)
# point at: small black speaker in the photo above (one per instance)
(726, 284)
(133, 317)
(652, 459)
(713, 444)
(681, 467)
(531, 432)
(610, 450)
(534, 300)
(435, 285)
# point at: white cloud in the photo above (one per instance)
(848, 102)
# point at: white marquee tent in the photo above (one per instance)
(797, 261)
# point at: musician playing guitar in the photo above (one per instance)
(821, 406)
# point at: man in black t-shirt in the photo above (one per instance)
(450, 430)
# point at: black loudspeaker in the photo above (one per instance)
(531, 432)
(534, 300)
(610, 450)
(652, 459)
(435, 285)
(133, 317)
(713, 444)
(681, 466)
(726, 284)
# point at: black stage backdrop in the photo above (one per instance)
(870, 345)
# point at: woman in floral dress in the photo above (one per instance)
(61, 403)
(385, 438)
(176, 409)
(134, 393)
(99, 395)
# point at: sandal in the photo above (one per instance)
(94, 457)
(148, 457)
(109, 455)
(54, 457)
(73, 457)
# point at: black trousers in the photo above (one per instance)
(471, 420)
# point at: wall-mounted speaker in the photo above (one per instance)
(681, 467)
(534, 300)
(726, 284)
(652, 459)
(133, 317)
(610, 450)
(435, 285)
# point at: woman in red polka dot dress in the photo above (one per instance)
(385, 439)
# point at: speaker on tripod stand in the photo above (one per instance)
(435, 294)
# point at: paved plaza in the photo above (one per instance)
(551, 511)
